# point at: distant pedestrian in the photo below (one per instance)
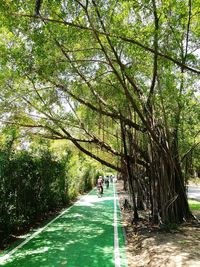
(100, 184)
(107, 182)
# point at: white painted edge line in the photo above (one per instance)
(116, 239)
(6, 256)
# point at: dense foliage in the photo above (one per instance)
(33, 184)
(30, 186)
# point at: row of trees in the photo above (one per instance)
(119, 79)
(36, 181)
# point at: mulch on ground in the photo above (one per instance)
(148, 245)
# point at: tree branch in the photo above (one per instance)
(124, 38)
(155, 64)
(92, 107)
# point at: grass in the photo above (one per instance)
(194, 205)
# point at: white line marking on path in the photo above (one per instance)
(7, 256)
(116, 240)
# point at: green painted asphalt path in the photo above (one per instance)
(88, 234)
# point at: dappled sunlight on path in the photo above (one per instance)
(82, 237)
(92, 200)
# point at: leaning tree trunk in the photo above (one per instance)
(129, 168)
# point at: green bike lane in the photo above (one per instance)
(88, 234)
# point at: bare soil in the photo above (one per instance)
(148, 245)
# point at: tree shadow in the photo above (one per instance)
(156, 248)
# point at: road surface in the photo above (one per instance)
(194, 192)
(88, 234)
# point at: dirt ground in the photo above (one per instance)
(147, 245)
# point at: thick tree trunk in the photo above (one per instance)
(168, 192)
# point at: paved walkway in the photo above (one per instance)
(88, 234)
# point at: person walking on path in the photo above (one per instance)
(100, 184)
(107, 182)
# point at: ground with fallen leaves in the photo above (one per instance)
(148, 245)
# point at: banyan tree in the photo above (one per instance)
(116, 78)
